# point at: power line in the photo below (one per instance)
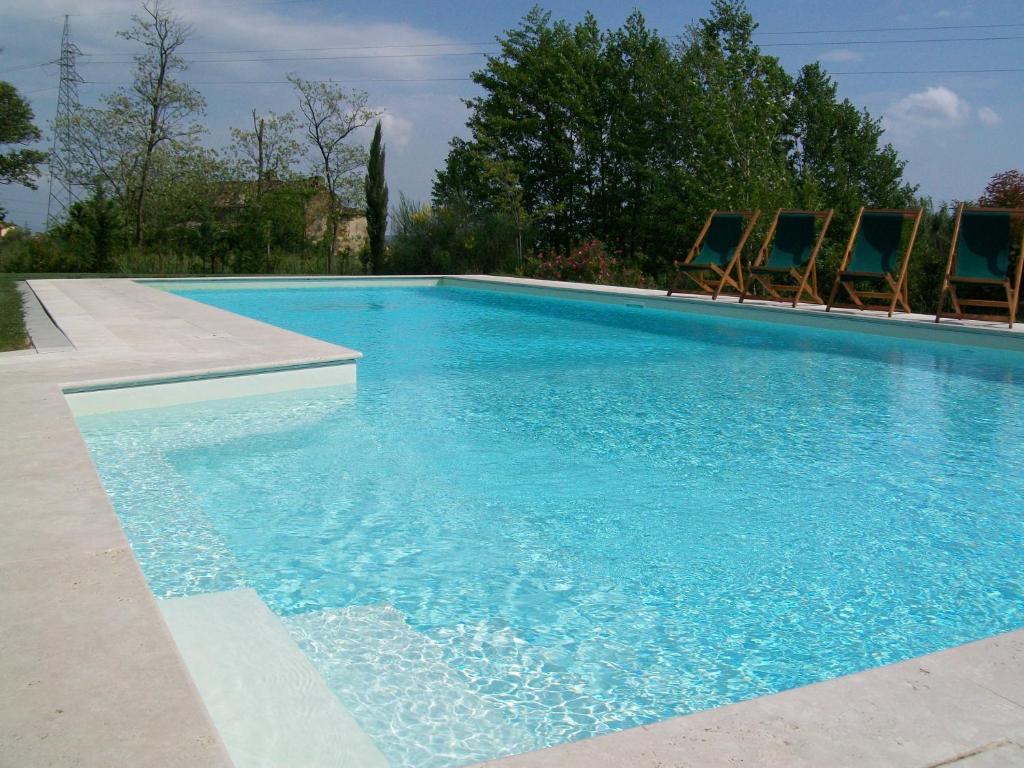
(15, 203)
(128, 11)
(894, 42)
(320, 58)
(371, 56)
(930, 71)
(28, 66)
(908, 41)
(890, 29)
(340, 48)
(993, 70)
(128, 59)
(288, 82)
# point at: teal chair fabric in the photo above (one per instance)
(720, 242)
(983, 247)
(794, 240)
(877, 250)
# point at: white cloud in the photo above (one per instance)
(841, 55)
(989, 116)
(961, 12)
(419, 92)
(396, 130)
(934, 107)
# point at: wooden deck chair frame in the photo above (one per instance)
(724, 276)
(1011, 283)
(897, 286)
(806, 278)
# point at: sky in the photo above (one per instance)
(955, 129)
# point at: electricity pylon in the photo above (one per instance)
(62, 186)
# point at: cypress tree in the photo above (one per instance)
(376, 204)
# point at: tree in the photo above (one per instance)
(623, 137)
(1004, 190)
(737, 122)
(837, 156)
(92, 231)
(120, 141)
(507, 192)
(18, 166)
(376, 203)
(537, 119)
(331, 115)
(643, 117)
(269, 150)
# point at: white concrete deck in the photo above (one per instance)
(91, 677)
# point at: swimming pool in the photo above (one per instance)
(537, 520)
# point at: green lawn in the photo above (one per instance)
(12, 325)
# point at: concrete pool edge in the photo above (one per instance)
(92, 676)
(919, 327)
(57, 557)
(912, 327)
(941, 709)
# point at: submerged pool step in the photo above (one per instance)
(269, 703)
(395, 681)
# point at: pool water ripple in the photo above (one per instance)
(584, 517)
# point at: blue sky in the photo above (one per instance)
(954, 129)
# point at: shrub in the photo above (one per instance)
(588, 263)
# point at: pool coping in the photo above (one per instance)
(92, 676)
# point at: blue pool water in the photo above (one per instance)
(540, 520)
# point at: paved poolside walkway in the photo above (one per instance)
(89, 674)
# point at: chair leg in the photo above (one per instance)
(896, 292)
(832, 295)
(800, 288)
(942, 298)
(956, 302)
(815, 296)
(1011, 301)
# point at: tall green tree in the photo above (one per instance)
(138, 129)
(537, 118)
(330, 116)
(642, 109)
(837, 154)
(622, 136)
(738, 120)
(376, 203)
(159, 105)
(18, 164)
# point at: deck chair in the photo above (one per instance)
(878, 252)
(979, 255)
(790, 250)
(712, 260)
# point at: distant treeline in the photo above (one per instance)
(153, 197)
(592, 155)
(608, 148)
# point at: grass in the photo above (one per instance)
(84, 275)
(12, 323)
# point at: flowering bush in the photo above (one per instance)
(588, 263)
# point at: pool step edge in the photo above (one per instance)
(268, 702)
